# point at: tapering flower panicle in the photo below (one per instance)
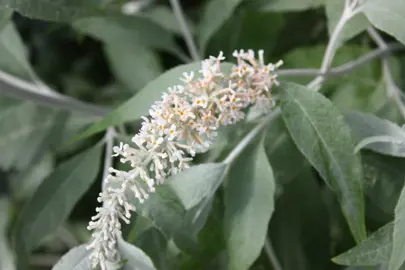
(184, 122)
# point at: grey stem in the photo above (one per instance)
(178, 12)
(21, 89)
(268, 248)
(109, 141)
(345, 68)
(393, 90)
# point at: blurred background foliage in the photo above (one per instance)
(105, 60)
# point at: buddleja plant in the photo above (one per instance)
(230, 159)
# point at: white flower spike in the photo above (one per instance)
(180, 125)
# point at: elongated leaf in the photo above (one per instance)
(164, 16)
(299, 231)
(215, 14)
(25, 183)
(155, 245)
(7, 260)
(365, 126)
(75, 259)
(319, 131)
(134, 257)
(24, 129)
(139, 104)
(384, 178)
(54, 199)
(356, 25)
(282, 152)
(5, 16)
(387, 15)
(290, 5)
(137, 30)
(398, 249)
(240, 31)
(249, 204)
(62, 10)
(376, 249)
(133, 65)
(167, 213)
(197, 183)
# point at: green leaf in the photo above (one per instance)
(76, 258)
(290, 5)
(319, 131)
(154, 244)
(300, 233)
(240, 32)
(398, 248)
(54, 199)
(24, 130)
(14, 56)
(61, 10)
(26, 182)
(384, 178)
(133, 65)
(140, 103)
(249, 204)
(197, 183)
(165, 17)
(134, 257)
(366, 126)
(387, 15)
(356, 25)
(216, 13)
(5, 16)
(167, 213)
(7, 260)
(137, 30)
(282, 152)
(376, 249)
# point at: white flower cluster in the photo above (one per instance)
(182, 124)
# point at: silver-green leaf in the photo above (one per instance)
(197, 183)
(376, 249)
(398, 245)
(75, 259)
(249, 204)
(214, 16)
(319, 131)
(389, 138)
(54, 199)
(387, 15)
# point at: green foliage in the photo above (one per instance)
(376, 249)
(321, 134)
(377, 134)
(291, 188)
(54, 199)
(387, 15)
(249, 204)
(398, 237)
(215, 14)
(65, 10)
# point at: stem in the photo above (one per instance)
(268, 248)
(178, 12)
(250, 136)
(343, 69)
(109, 140)
(332, 45)
(393, 90)
(21, 89)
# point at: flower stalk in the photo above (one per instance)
(181, 124)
